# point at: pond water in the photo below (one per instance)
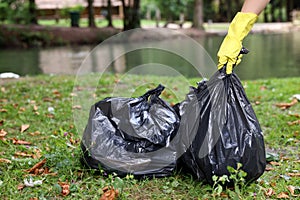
(271, 55)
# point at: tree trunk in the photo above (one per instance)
(289, 9)
(198, 14)
(109, 14)
(131, 18)
(32, 11)
(228, 10)
(91, 14)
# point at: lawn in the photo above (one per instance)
(100, 22)
(36, 124)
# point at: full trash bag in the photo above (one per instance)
(227, 131)
(132, 136)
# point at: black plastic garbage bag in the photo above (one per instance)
(227, 131)
(132, 136)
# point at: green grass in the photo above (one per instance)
(54, 135)
(100, 22)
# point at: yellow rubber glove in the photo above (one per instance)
(232, 44)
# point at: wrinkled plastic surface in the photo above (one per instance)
(228, 131)
(124, 135)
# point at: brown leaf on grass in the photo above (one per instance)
(4, 160)
(292, 190)
(269, 169)
(224, 195)
(35, 133)
(109, 193)
(1, 122)
(273, 184)
(294, 122)
(295, 115)
(3, 133)
(35, 108)
(21, 186)
(47, 172)
(257, 102)
(21, 109)
(77, 107)
(47, 99)
(73, 94)
(37, 154)
(269, 192)
(263, 88)
(3, 110)
(65, 188)
(34, 198)
(294, 174)
(284, 106)
(23, 154)
(283, 195)
(20, 142)
(36, 166)
(275, 163)
(24, 127)
(49, 115)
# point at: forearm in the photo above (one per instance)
(254, 6)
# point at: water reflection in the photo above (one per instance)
(275, 55)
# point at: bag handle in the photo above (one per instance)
(156, 91)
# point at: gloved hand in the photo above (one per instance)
(229, 52)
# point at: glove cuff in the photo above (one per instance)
(241, 25)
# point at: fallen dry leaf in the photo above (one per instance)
(275, 163)
(295, 115)
(34, 198)
(35, 108)
(257, 102)
(294, 122)
(21, 186)
(23, 154)
(47, 99)
(73, 94)
(77, 107)
(4, 160)
(3, 110)
(294, 174)
(292, 190)
(50, 115)
(35, 133)
(269, 192)
(273, 184)
(1, 122)
(37, 154)
(109, 193)
(3, 89)
(224, 195)
(24, 127)
(3, 133)
(263, 88)
(22, 109)
(65, 188)
(284, 106)
(283, 195)
(269, 169)
(36, 166)
(21, 142)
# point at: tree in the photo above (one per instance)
(91, 14)
(109, 14)
(131, 11)
(198, 14)
(32, 12)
